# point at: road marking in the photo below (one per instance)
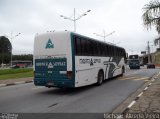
(20, 82)
(140, 94)
(131, 104)
(145, 88)
(128, 78)
(132, 73)
(2, 85)
(141, 78)
(153, 80)
(150, 84)
(35, 88)
(134, 78)
(135, 72)
(155, 77)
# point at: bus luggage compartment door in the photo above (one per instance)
(51, 72)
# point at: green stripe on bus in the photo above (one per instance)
(73, 55)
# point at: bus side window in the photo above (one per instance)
(117, 50)
(95, 51)
(114, 51)
(110, 51)
(98, 49)
(78, 46)
(91, 50)
(106, 50)
(121, 53)
(84, 47)
(87, 47)
(103, 50)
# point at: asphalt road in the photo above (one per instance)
(27, 98)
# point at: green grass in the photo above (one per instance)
(15, 73)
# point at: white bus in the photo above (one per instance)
(67, 59)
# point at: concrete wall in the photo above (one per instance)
(156, 58)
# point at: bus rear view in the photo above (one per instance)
(53, 60)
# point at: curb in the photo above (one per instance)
(15, 83)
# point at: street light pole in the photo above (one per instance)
(74, 19)
(104, 34)
(11, 44)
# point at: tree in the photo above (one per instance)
(156, 41)
(25, 57)
(151, 17)
(5, 45)
(5, 49)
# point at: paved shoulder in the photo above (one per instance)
(9, 82)
(144, 100)
(149, 101)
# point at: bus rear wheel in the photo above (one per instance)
(100, 78)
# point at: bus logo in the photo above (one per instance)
(49, 44)
(50, 65)
(91, 63)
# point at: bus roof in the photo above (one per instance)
(73, 33)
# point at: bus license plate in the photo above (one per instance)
(50, 84)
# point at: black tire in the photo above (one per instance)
(100, 78)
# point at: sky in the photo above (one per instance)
(30, 17)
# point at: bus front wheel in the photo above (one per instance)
(100, 78)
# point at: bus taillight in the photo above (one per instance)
(69, 74)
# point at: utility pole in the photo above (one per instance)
(148, 50)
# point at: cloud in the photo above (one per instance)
(38, 16)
